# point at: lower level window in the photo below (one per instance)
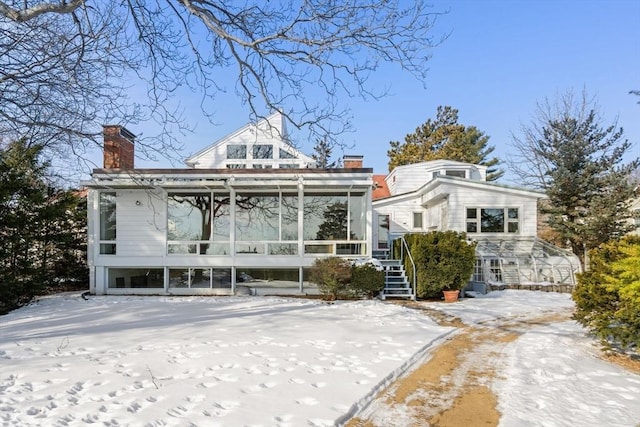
(199, 278)
(136, 278)
(492, 220)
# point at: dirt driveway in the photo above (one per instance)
(453, 387)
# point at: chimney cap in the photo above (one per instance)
(124, 132)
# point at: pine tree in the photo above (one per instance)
(445, 138)
(608, 295)
(322, 155)
(579, 164)
(42, 236)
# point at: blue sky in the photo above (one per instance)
(501, 58)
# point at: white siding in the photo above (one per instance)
(409, 178)
(445, 208)
(141, 223)
(460, 198)
(268, 132)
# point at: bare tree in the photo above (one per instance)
(68, 66)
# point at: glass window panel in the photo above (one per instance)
(383, 231)
(357, 216)
(257, 216)
(472, 227)
(189, 216)
(221, 278)
(221, 217)
(107, 216)
(270, 277)
(289, 217)
(263, 151)
(218, 249)
(250, 248)
(289, 165)
(200, 278)
(492, 220)
(318, 249)
(283, 249)
(513, 227)
(236, 151)
(459, 174)
(350, 248)
(179, 278)
(325, 217)
(108, 248)
(284, 154)
(175, 248)
(417, 220)
(236, 166)
(136, 278)
(472, 213)
(513, 213)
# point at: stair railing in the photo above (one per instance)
(403, 247)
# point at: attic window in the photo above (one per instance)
(284, 154)
(263, 151)
(236, 151)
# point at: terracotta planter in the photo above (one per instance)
(451, 296)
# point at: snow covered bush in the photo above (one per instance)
(607, 296)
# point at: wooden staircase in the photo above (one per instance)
(396, 283)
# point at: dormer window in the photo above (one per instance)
(458, 174)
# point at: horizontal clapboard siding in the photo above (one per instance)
(140, 227)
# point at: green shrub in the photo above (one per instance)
(366, 281)
(332, 275)
(444, 261)
(607, 296)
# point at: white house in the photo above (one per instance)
(450, 195)
(249, 209)
(252, 213)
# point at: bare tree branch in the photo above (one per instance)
(67, 67)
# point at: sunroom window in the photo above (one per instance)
(108, 223)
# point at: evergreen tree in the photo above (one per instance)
(41, 229)
(322, 155)
(578, 162)
(445, 138)
(608, 295)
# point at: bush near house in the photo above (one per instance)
(444, 261)
(607, 296)
(366, 280)
(338, 279)
(332, 275)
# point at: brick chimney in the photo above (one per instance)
(118, 147)
(352, 161)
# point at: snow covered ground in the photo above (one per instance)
(551, 375)
(264, 361)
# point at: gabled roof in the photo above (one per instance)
(380, 187)
(270, 130)
(441, 180)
